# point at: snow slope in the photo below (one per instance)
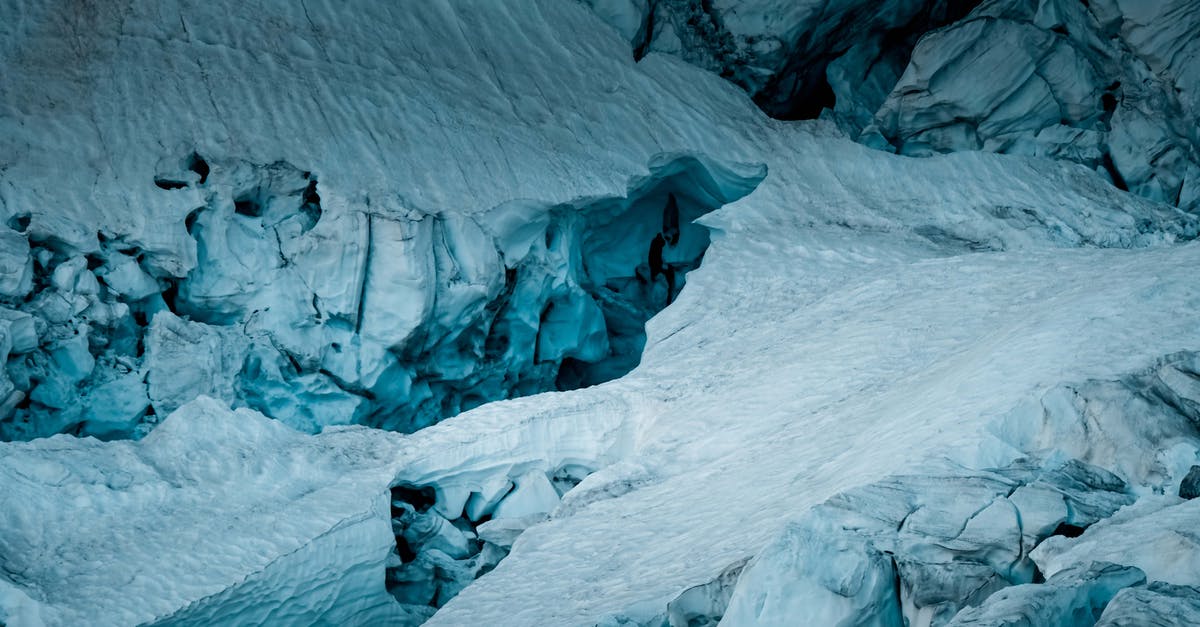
(856, 315)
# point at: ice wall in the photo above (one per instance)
(319, 319)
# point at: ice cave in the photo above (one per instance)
(600, 313)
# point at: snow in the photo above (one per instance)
(857, 314)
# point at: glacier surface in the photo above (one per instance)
(965, 385)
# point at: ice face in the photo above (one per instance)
(319, 319)
(1111, 85)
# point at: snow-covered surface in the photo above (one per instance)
(857, 314)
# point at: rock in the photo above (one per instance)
(1189, 488)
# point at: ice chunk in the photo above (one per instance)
(1072, 597)
(817, 576)
(503, 532)
(21, 330)
(188, 359)
(1156, 604)
(1152, 535)
(533, 494)
(125, 277)
(484, 502)
(16, 264)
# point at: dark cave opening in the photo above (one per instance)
(197, 164)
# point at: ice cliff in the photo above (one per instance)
(238, 239)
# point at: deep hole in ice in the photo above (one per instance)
(1108, 102)
(248, 205)
(20, 222)
(164, 183)
(189, 222)
(619, 254)
(808, 104)
(197, 164)
(1067, 530)
(421, 498)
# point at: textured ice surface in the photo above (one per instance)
(1111, 84)
(855, 314)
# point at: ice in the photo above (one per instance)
(1111, 85)
(309, 515)
(1152, 535)
(362, 201)
(1156, 604)
(1072, 597)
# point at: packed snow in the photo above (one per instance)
(981, 363)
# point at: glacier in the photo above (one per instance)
(1110, 84)
(345, 316)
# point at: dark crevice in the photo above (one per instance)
(189, 222)
(164, 183)
(1067, 530)
(640, 48)
(20, 222)
(310, 206)
(1118, 181)
(421, 498)
(171, 294)
(248, 205)
(197, 164)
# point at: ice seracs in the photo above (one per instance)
(1110, 84)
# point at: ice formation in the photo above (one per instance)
(962, 389)
(1111, 84)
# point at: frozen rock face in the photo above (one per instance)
(1084, 82)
